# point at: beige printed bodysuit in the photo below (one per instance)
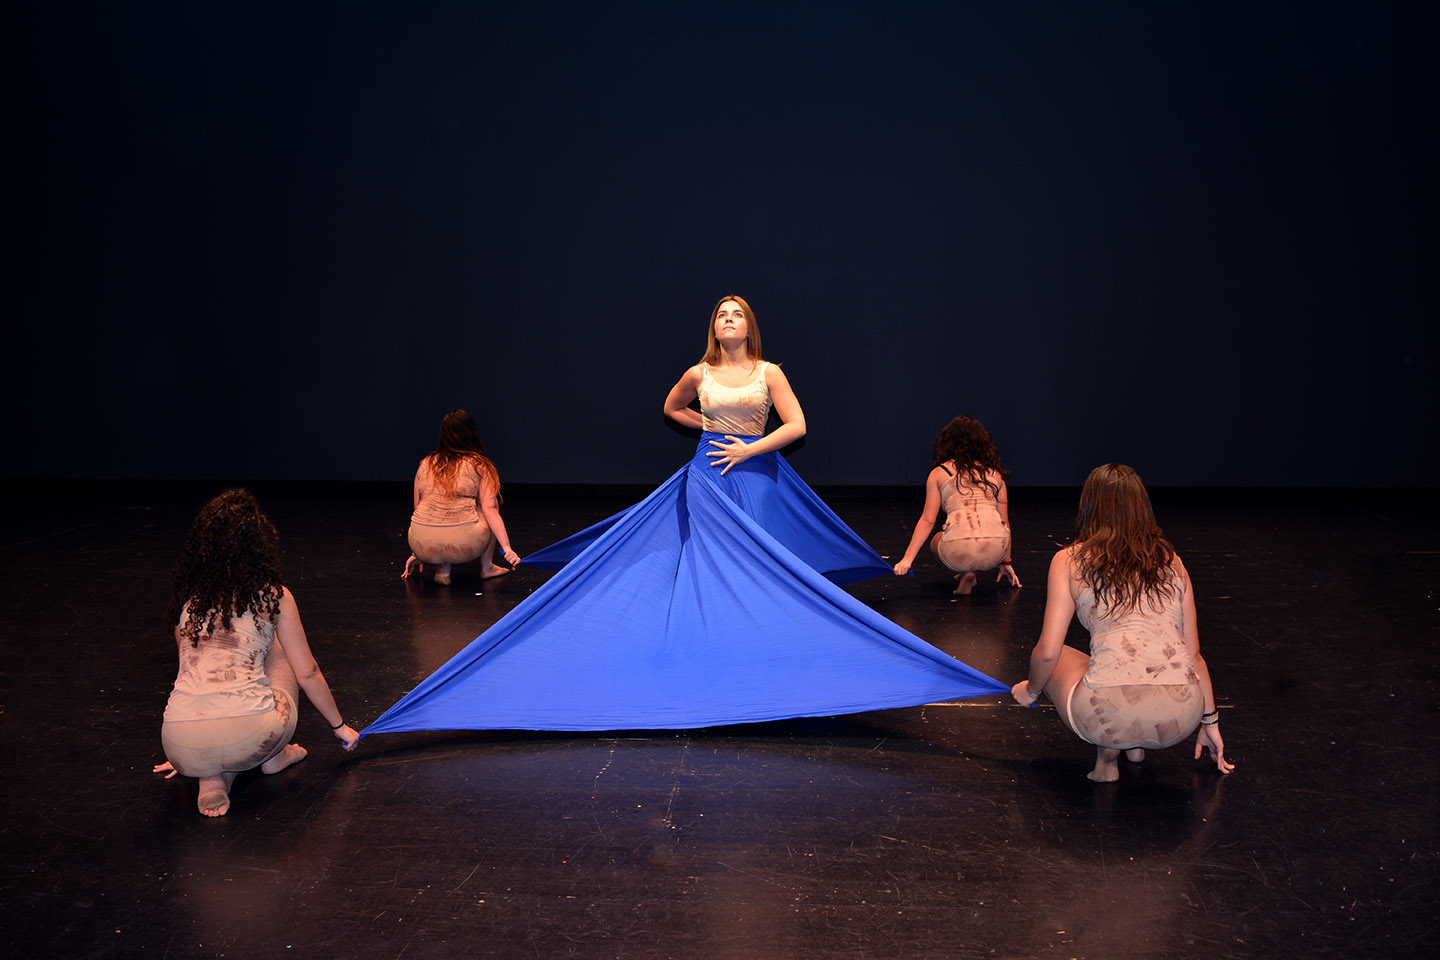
(447, 526)
(1141, 689)
(975, 535)
(225, 714)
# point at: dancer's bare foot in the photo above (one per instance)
(214, 800)
(293, 753)
(964, 584)
(493, 571)
(442, 575)
(1135, 755)
(412, 567)
(1107, 766)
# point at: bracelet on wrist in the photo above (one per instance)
(1033, 696)
(338, 725)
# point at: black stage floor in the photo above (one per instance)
(955, 830)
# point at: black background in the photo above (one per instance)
(279, 241)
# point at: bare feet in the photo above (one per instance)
(214, 800)
(964, 584)
(412, 567)
(292, 753)
(493, 571)
(1107, 766)
(1135, 755)
(442, 575)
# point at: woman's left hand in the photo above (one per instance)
(1021, 693)
(166, 769)
(511, 557)
(736, 451)
(1208, 738)
(1007, 572)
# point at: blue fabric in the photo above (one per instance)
(770, 492)
(683, 611)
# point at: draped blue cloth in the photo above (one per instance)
(687, 610)
(770, 492)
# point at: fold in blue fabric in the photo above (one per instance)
(687, 610)
(770, 492)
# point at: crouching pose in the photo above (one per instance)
(243, 656)
(1144, 685)
(967, 480)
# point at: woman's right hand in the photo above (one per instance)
(902, 568)
(347, 736)
(1209, 737)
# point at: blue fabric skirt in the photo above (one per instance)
(770, 492)
(698, 606)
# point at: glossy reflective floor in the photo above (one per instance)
(954, 830)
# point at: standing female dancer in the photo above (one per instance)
(243, 656)
(1145, 685)
(714, 600)
(736, 387)
(457, 505)
(968, 480)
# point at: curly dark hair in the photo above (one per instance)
(1120, 550)
(460, 443)
(230, 563)
(966, 441)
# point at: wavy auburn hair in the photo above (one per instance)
(229, 563)
(966, 441)
(1119, 548)
(460, 443)
(752, 333)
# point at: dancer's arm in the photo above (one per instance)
(792, 426)
(1208, 736)
(678, 400)
(1059, 608)
(925, 524)
(1002, 499)
(307, 672)
(418, 488)
(490, 509)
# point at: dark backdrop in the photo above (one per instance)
(280, 240)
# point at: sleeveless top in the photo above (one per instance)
(971, 509)
(739, 411)
(224, 675)
(1139, 646)
(439, 508)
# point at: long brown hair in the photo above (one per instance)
(752, 333)
(460, 443)
(229, 563)
(1119, 548)
(966, 441)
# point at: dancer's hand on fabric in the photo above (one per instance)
(1007, 572)
(347, 736)
(902, 568)
(1021, 693)
(1209, 738)
(737, 451)
(166, 769)
(511, 557)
